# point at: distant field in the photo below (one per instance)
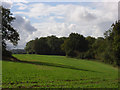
(44, 71)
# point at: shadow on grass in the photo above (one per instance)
(49, 64)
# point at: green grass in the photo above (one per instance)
(44, 71)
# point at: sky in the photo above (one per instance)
(41, 19)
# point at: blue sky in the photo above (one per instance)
(33, 20)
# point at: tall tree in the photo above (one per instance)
(116, 41)
(112, 37)
(8, 32)
(90, 54)
(30, 47)
(41, 46)
(75, 44)
(55, 44)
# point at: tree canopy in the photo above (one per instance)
(9, 33)
(50, 45)
(74, 44)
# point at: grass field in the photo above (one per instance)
(44, 71)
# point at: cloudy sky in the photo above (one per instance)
(36, 19)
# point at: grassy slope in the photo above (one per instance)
(58, 71)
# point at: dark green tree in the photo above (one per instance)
(98, 48)
(50, 45)
(55, 44)
(108, 54)
(30, 47)
(75, 44)
(90, 54)
(41, 46)
(112, 42)
(8, 32)
(116, 41)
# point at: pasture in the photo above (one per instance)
(48, 71)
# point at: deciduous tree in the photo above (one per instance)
(9, 33)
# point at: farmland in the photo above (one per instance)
(45, 71)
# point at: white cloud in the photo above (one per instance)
(7, 5)
(23, 24)
(24, 28)
(58, 29)
(91, 20)
(21, 6)
(79, 14)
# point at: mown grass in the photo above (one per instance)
(44, 71)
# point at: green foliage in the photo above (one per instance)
(55, 44)
(8, 32)
(41, 46)
(90, 54)
(98, 48)
(116, 41)
(47, 71)
(105, 49)
(50, 45)
(78, 42)
(29, 47)
(112, 49)
(75, 44)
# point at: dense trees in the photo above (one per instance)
(50, 45)
(116, 41)
(8, 32)
(41, 46)
(75, 44)
(30, 47)
(105, 49)
(90, 54)
(113, 40)
(54, 44)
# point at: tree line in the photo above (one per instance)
(105, 49)
(50, 45)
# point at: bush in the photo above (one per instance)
(81, 55)
(70, 53)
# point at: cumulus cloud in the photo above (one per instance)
(24, 28)
(58, 29)
(61, 20)
(23, 24)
